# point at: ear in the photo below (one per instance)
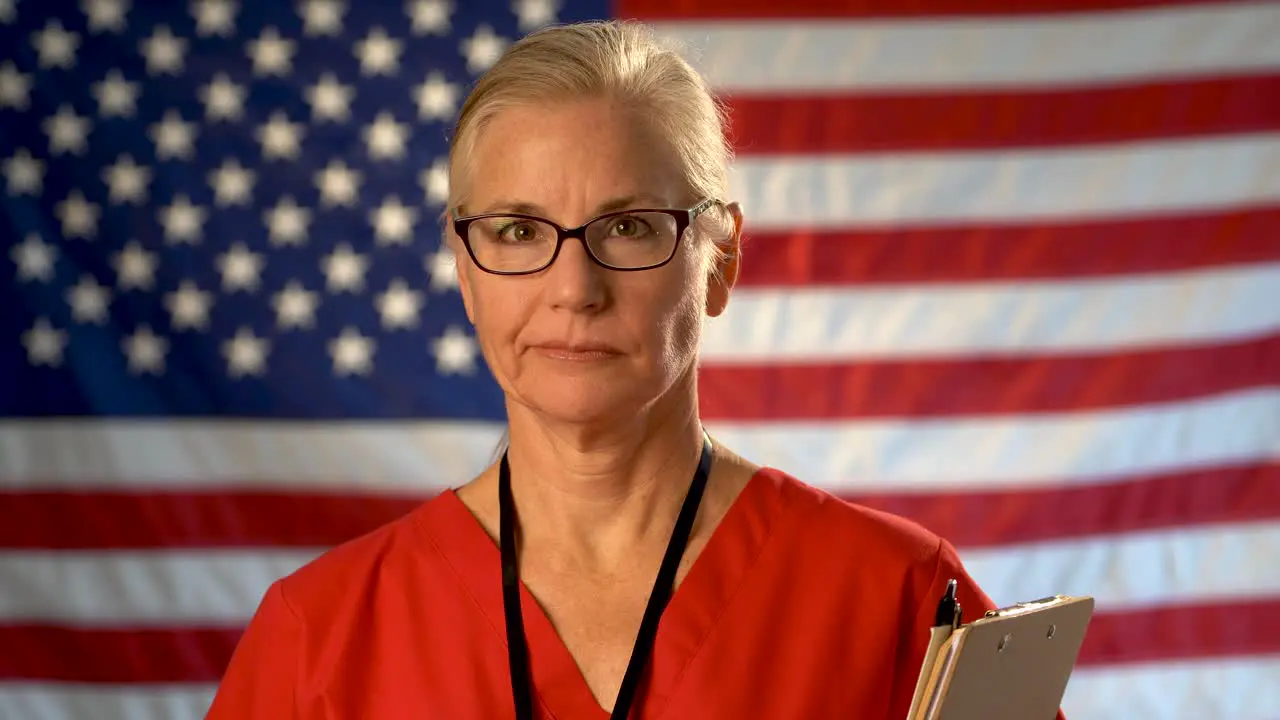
(725, 274)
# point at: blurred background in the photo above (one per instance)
(1012, 270)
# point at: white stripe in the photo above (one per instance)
(1018, 452)
(1134, 571)
(786, 192)
(984, 319)
(972, 453)
(1235, 688)
(777, 57)
(140, 588)
(65, 701)
(164, 588)
(175, 454)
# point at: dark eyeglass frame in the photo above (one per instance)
(683, 217)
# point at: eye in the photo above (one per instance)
(628, 226)
(518, 231)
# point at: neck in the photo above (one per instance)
(597, 496)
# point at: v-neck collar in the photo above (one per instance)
(692, 612)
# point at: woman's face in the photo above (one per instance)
(577, 342)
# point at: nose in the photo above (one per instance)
(574, 281)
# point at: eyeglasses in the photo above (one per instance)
(517, 244)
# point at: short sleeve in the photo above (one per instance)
(929, 583)
(261, 678)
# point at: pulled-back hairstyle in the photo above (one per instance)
(616, 59)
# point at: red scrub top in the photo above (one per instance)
(800, 606)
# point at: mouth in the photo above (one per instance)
(577, 352)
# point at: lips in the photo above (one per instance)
(577, 351)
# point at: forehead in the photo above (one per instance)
(571, 158)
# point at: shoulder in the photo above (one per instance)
(837, 538)
(346, 569)
(827, 518)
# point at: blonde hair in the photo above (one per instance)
(615, 59)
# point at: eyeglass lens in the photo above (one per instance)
(624, 241)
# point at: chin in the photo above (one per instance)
(578, 400)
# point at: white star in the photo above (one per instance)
(68, 132)
(442, 265)
(78, 216)
(8, 11)
(189, 306)
(533, 14)
(455, 352)
(15, 88)
(483, 49)
(223, 99)
(321, 17)
(45, 343)
(378, 53)
(241, 269)
(34, 258)
(344, 269)
(116, 96)
(338, 184)
(430, 16)
(173, 137)
(246, 354)
(295, 306)
(89, 301)
(288, 222)
(215, 17)
(330, 99)
(145, 351)
(164, 51)
(135, 267)
(126, 181)
(271, 54)
(399, 306)
(437, 98)
(232, 184)
(279, 137)
(24, 173)
(183, 222)
(352, 353)
(55, 46)
(105, 14)
(435, 182)
(393, 221)
(386, 138)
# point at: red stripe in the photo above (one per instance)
(1011, 252)
(1184, 632)
(759, 9)
(975, 519)
(944, 387)
(200, 655)
(115, 655)
(1007, 118)
(100, 520)
(175, 520)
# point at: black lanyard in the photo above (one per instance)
(517, 648)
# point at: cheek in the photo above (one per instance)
(498, 314)
(683, 325)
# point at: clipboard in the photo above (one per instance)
(1010, 664)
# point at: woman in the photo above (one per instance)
(787, 602)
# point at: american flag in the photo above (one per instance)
(1012, 270)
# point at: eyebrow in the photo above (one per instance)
(618, 203)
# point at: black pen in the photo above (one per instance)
(948, 607)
